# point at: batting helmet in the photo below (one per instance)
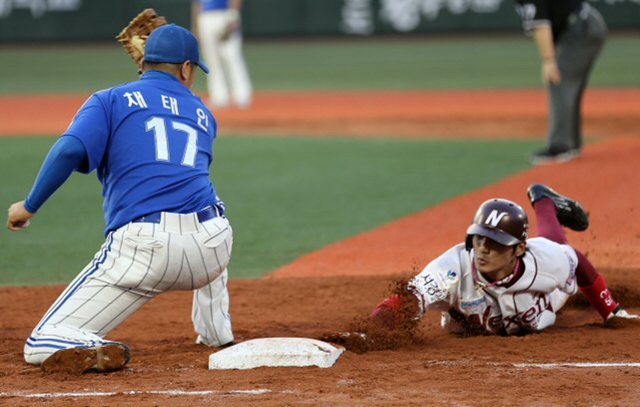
(500, 220)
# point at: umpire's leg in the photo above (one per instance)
(576, 51)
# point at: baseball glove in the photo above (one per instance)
(134, 36)
(232, 24)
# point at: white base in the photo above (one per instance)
(275, 352)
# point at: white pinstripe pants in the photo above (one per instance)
(229, 79)
(137, 262)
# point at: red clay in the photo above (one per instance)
(343, 282)
(603, 179)
(495, 113)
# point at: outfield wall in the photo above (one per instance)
(33, 20)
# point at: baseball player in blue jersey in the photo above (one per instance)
(217, 23)
(150, 143)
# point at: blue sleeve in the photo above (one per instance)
(91, 126)
(66, 155)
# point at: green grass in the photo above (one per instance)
(285, 196)
(63, 236)
(426, 62)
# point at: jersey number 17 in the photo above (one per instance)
(159, 127)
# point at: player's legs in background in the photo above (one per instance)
(576, 120)
(560, 117)
(210, 313)
(238, 74)
(596, 37)
(210, 28)
(546, 204)
(217, 80)
(576, 52)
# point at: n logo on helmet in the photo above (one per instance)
(494, 218)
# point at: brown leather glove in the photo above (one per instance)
(134, 36)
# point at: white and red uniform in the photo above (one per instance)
(525, 301)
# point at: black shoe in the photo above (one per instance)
(551, 156)
(570, 213)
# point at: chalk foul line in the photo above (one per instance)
(258, 392)
(595, 364)
(135, 392)
(538, 365)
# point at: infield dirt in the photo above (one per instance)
(326, 290)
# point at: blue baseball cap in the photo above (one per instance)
(173, 44)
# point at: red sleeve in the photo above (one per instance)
(396, 311)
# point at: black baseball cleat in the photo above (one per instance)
(553, 156)
(570, 213)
